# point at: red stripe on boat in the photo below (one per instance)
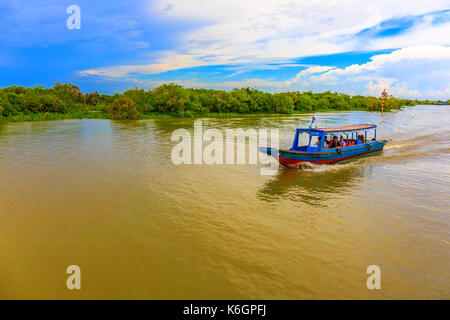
(295, 163)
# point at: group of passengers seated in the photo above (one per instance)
(335, 143)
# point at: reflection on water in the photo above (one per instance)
(105, 195)
(311, 186)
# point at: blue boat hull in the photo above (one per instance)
(290, 158)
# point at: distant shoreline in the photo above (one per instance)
(66, 101)
(104, 116)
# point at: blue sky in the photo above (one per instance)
(357, 47)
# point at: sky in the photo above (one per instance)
(356, 47)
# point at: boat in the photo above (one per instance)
(317, 148)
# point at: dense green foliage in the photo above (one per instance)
(65, 101)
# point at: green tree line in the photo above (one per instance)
(67, 101)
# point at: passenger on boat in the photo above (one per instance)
(342, 142)
(334, 142)
(326, 143)
(318, 142)
(360, 139)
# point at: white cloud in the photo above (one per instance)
(424, 33)
(374, 88)
(252, 34)
(309, 71)
(414, 72)
(252, 83)
(238, 31)
(378, 61)
(255, 32)
(443, 93)
(171, 61)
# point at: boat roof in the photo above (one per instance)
(354, 127)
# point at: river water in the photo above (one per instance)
(105, 195)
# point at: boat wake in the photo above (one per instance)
(396, 151)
